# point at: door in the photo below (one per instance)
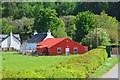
(67, 50)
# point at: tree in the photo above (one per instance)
(50, 5)
(95, 7)
(23, 10)
(7, 26)
(65, 8)
(7, 9)
(60, 31)
(114, 10)
(46, 19)
(24, 27)
(90, 38)
(109, 23)
(69, 25)
(85, 22)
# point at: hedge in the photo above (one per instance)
(78, 67)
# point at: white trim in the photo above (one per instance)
(67, 50)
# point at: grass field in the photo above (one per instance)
(13, 60)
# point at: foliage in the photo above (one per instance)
(84, 23)
(113, 9)
(90, 38)
(87, 63)
(110, 62)
(20, 9)
(60, 31)
(25, 27)
(95, 7)
(46, 19)
(109, 23)
(65, 8)
(80, 66)
(69, 25)
(7, 26)
(7, 9)
(20, 26)
(118, 33)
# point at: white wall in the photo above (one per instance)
(7, 43)
(16, 43)
(48, 35)
(30, 46)
(27, 46)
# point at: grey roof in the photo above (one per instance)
(37, 38)
(4, 36)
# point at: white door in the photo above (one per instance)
(67, 50)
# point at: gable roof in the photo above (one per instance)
(37, 38)
(4, 36)
(50, 42)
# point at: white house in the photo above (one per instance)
(31, 44)
(10, 41)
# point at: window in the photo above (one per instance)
(75, 49)
(59, 50)
(48, 49)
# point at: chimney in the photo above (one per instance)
(35, 32)
(11, 39)
(49, 33)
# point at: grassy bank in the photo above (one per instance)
(110, 62)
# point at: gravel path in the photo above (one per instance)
(113, 73)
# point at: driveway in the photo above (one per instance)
(113, 73)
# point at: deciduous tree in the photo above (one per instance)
(85, 22)
(46, 19)
(90, 38)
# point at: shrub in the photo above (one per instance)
(83, 65)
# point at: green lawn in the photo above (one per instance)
(15, 61)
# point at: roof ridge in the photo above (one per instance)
(54, 43)
(59, 41)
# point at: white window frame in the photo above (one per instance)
(58, 49)
(75, 48)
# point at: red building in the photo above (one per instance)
(58, 46)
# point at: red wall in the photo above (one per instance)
(41, 50)
(67, 43)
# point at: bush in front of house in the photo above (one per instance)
(83, 65)
(78, 67)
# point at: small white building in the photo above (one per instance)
(10, 42)
(31, 44)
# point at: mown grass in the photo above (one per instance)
(110, 62)
(15, 61)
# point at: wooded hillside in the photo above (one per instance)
(65, 19)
